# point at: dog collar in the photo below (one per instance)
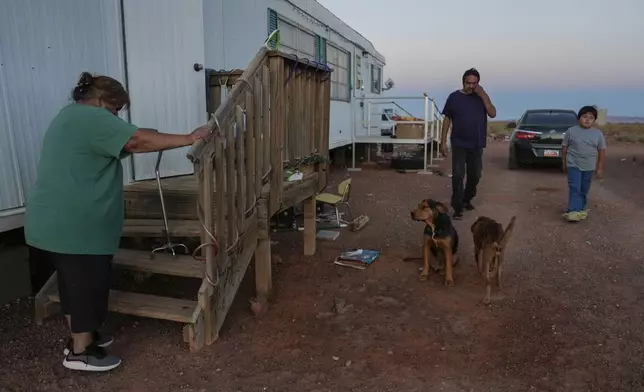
(439, 232)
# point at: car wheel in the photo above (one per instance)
(513, 164)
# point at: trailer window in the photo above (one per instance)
(338, 60)
(376, 79)
(295, 40)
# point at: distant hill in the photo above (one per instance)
(625, 119)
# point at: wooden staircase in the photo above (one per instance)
(179, 310)
(275, 115)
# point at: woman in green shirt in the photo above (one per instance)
(74, 216)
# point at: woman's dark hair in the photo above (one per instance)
(587, 109)
(104, 88)
(471, 71)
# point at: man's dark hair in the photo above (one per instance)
(587, 109)
(471, 71)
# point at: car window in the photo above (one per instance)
(549, 118)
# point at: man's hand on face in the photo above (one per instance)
(479, 90)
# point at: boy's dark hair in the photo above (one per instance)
(587, 109)
(471, 71)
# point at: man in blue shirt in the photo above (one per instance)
(466, 111)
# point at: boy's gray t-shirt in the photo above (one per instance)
(582, 147)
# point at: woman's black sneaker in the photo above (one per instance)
(101, 340)
(93, 359)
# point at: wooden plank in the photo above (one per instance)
(145, 305)
(229, 284)
(277, 132)
(306, 116)
(155, 228)
(215, 98)
(43, 306)
(263, 265)
(195, 334)
(296, 192)
(310, 228)
(259, 130)
(241, 167)
(162, 263)
(318, 126)
(231, 188)
(325, 127)
(266, 114)
(250, 150)
(207, 303)
(220, 218)
(297, 120)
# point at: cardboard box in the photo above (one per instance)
(410, 131)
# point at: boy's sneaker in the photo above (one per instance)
(573, 216)
(583, 214)
(101, 340)
(93, 359)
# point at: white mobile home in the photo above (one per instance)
(158, 49)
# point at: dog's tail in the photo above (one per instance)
(500, 245)
(507, 234)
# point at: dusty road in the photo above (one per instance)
(570, 318)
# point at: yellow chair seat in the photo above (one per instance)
(328, 198)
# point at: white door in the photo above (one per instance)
(361, 83)
(164, 39)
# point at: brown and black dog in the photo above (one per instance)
(440, 238)
(490, 242)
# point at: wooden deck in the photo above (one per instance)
(144, 215)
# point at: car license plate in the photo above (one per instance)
(551, 153)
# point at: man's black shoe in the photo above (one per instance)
(457, 215)
(468, 206)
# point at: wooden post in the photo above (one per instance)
(310, 229)
(263, 270)
(250, 151)
(259, 130)
(206, 299)
(266, 131)
(241, 168)
(277, 132)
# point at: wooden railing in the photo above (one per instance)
(275, 111)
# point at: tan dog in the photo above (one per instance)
(440, 238)
(490, 242)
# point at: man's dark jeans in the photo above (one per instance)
(470, 162)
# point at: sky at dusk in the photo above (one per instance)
(547, 53)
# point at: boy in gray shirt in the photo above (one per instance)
(583, 153)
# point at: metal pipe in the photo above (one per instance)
(169, 244)
(425, 138)
(431, 149)
(369, 119)
(165, 215)
(390, 98)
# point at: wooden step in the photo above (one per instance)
(145, 305)
(162, 263)
(155, 228)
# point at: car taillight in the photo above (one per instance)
(526, 135)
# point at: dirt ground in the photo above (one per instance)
(570, 318)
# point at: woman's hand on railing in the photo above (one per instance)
(201, 133)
